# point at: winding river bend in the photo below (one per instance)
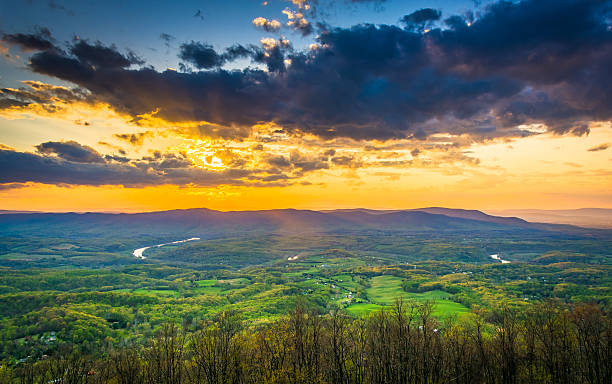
(496, 257)
(138, 253)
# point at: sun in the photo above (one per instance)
(204, 155)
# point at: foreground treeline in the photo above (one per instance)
(544, 343)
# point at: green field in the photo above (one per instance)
(362, 309)
(157, 292)
(207, 287)
(384, 290)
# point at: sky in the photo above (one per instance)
(243, 105)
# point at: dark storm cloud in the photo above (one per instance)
(70, 150)
(419, 20)
(98, 55)
(202, 56)
(520, 63)
(30, 42)
(560, 52)
(237, 51)
(61, 66)
(378, 82)
(84, 61)
(213, 96)
(273, 56)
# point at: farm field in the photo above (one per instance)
(384, 290)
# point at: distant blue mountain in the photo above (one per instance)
(205, 222)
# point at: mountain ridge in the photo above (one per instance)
(208, 222)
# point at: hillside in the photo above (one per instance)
(209, 223)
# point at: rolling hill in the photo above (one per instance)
(210, 223)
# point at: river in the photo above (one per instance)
(496, 257)
(138, 253)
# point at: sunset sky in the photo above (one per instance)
(233, 105)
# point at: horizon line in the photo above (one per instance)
(483, 210)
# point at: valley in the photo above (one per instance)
(87, 282)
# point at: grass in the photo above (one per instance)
(156, 292)
(206, 283)
(384, 290)
(214, 287)
(362, 309)
(207, 287)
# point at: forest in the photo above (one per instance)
(405, 343)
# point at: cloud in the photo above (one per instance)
(9, 103)
(267, 25)
(517, 64)
(302, 4)
(202, 56)
(273, 54)
(237, 51)
(71, 163)
(299, 163)
(30, 42)
(298, 22)
(134, 138)
(347, 161)
(9, 186)
(167, 39)
(4, 51)
(98, 55)
(46, 96)
(421, 19)
(70, 150)
(600, 147)
(22, 167)
(55, 6)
